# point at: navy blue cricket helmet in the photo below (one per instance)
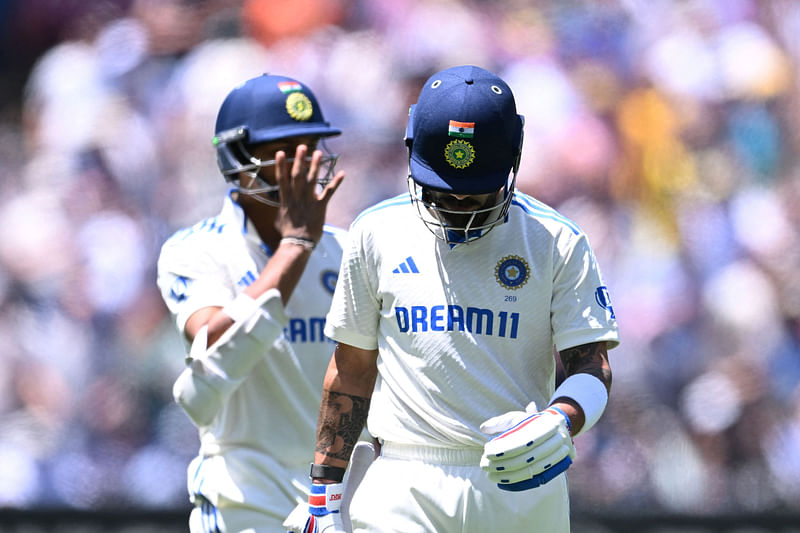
(264, 109)
(464, 137)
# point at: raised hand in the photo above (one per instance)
(302, 207)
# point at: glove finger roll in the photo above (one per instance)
(538, 480)
(524, 436)
(533, 468)
(523, 460)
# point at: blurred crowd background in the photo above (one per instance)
(668, 130)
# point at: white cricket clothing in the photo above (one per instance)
(450, 493)
(258, 448)
(464, 332)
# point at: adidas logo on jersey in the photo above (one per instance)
(406, 267)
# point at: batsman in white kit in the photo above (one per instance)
(249, 289)
(450, 302)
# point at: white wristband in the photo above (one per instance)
(588, 392)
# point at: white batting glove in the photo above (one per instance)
(324, 503)
(328, 507)
(531, 449)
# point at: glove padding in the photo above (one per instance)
(334, 518)
(531, 449)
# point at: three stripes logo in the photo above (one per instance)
(407, 267)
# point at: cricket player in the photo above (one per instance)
(249, 289)
(450, 302)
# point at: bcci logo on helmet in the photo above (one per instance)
(299, 106)
(512, 272)
(459, 154)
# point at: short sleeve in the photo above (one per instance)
(355, 310)
(189, 279)
(581, 310)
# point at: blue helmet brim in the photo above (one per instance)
(456, 184)
(294, 130)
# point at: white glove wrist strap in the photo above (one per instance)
(588, 392)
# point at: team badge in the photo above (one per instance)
(329, 278)
(299, 106)
(459, 153)
(512, 272)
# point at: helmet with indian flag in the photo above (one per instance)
(464, 137)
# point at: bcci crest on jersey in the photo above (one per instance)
(512, 272)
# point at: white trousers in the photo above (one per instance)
(206, 518)
(420, 489)
(243, 491)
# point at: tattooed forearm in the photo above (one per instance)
(341, 419)
(590, 359)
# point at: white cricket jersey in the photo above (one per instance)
(465, 332)
(269, 422)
